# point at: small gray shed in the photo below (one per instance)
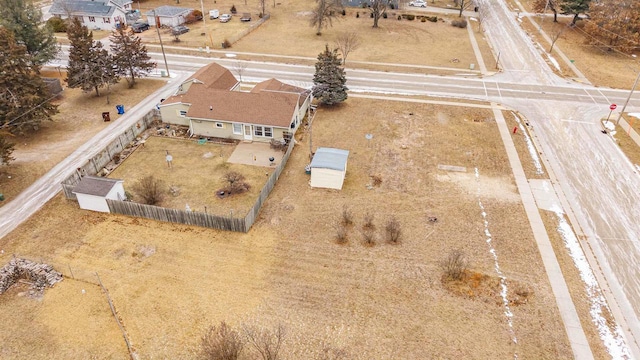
(328, 168)
(93, 192)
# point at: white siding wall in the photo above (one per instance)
(92, 202)
(327, 178)
(116, 193)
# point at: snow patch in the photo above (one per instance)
(609, 125)
(634, 115)
(610, 335)
(530, 147)
(503, 279)
(554, 62)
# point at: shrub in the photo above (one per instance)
(369, 236)
(461, 23)
(384, 16)
(410, 17)
(347, 216)
(57, 24)
(399, 17)
(237, 185)
(454, 265)
(233, 9)
(423, 20)
(371, 15)
(432, 18)
(149, 189)
(357, 14)
(341, 234)
(393, 231)
(392, 6)
(226, 44)
(221, 343)
(344, 12)
(368, 221)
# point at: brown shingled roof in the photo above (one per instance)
(276, 85)
(215, 76)
(262, 108)
(95, 185)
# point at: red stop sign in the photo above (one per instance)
(613, 106)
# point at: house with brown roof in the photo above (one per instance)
(211, 104)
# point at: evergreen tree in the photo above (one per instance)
(23, 20)
(329, 80)
(90, 66)
(6, 148)
(575, 8)
(130, 55)
(24, 97)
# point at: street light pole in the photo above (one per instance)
(629, 97)
(155, 21)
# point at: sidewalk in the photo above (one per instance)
(568, 313)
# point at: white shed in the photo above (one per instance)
(93, 192)
(328, 168)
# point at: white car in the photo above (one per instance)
(225, 18)
(420, 3)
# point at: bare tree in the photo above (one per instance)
(239, 67)
(263, 4)
(378, 9)
(267, 342)
(462, 5)
(150, 190)
(557, 32)
(454, 265)
(346, 43)
(324, 13)
(222, 343)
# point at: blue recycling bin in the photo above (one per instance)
(120, 109)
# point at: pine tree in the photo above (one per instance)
(23, 20)
(90, 66)
(575, 8)
(329, 80)
(6, 148)
(130, 55)
(24, 97)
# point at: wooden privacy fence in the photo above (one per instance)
(200, 218)
(96, 163)
(177, 216)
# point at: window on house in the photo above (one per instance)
(258, 130)
(219, 125)
(92, 19)
(106, 20)
(237, 129)
(268, 132)
(183, 113)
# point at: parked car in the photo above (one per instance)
(225, 18)
(214, 14)
(179, 30)
(139, 27)
(245, 17)
(419, 3)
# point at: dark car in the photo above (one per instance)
(179, 30)
(139, 27)
(245, 17)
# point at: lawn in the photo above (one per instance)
(197, 172)
(170, 282)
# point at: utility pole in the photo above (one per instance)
(628, 98)
(155, 21)
(204, 22)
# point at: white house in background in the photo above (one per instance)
(96, 14)
(210, 103)
(93, 192)
(168, 15)
(328, 168)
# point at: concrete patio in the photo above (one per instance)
(255, 153)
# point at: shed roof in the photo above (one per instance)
(169, 11)
(95, 185)
(330, 158)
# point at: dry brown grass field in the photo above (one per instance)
(170, 282)
(79, 119)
